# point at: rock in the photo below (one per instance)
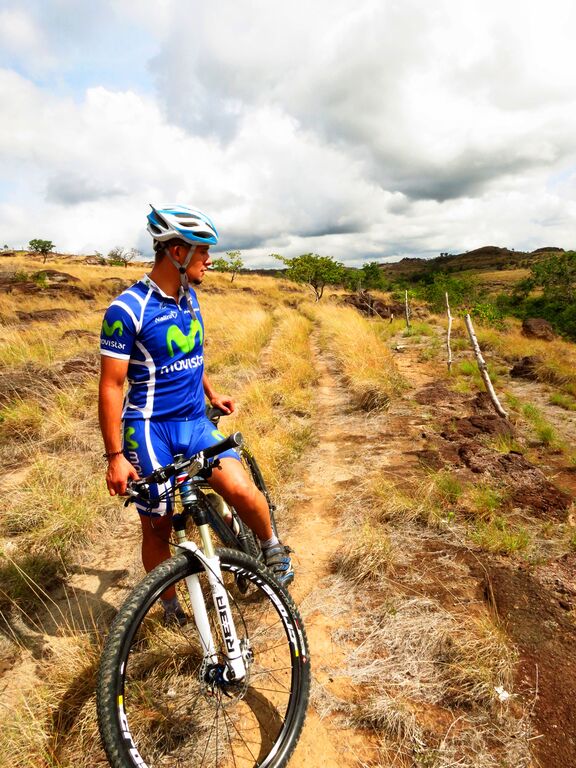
(19, 385)
(482, 424)
(525, 369)
(368, 305)
(53, 276)
(538, 328)
(79, 333)
(430, 459)
(43, 315)
(481, 403)
(526, 484)
(72, 290)
(84, 365)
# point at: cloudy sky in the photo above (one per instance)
(361, 129)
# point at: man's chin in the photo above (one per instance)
(197, 281)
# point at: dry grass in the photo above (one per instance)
(367, 556)
(53, 724)
(237, 328)
(361, 354)
(52, 517)
(274, 409)
(412, 655)
(556, 360)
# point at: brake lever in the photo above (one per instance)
(208, 468)
(142, 492)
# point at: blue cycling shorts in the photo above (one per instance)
(152, 444)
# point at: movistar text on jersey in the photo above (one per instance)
(182, 365)
(112, 343)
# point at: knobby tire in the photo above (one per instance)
(154, 706)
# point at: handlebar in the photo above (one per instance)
(234, 440)
(141, 487)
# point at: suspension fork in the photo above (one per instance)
(236, 668)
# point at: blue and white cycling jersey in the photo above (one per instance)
(164, 345)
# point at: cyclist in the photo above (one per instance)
(153, 336)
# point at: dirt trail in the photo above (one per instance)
(316, 538)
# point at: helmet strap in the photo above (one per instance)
(184, 277)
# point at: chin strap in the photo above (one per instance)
(184, 277)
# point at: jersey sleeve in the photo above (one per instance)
(118, 332)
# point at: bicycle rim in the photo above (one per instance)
(251, 466)
(155, 707)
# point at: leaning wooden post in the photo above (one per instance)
(407, 309)
(484, 368)
(448, 347)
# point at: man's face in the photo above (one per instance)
(199, 262)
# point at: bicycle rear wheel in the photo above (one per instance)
(251, 465)
(155, 706)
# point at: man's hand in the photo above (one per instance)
(119, 472)
(223, 402)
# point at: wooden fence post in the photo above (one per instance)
(407, 309)
(484, 368)
(448, 347)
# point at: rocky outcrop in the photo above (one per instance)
(538, 328)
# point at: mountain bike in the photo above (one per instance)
(230, 687)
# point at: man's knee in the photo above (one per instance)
(240, 493)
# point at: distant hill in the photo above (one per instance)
(489, 258)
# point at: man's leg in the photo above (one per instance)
(155, 547)
(232, 482)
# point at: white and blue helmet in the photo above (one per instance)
(179, 221)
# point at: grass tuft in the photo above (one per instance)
(368, 556)
(498, 536)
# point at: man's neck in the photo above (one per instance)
(166, 278)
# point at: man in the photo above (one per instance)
(153, 335)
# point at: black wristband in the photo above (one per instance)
(112, 454)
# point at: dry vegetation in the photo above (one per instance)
(257, 349)
(426, 664)
(362, 355)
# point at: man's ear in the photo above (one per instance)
(178, 252)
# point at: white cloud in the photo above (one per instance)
(22, 38)
(361, 129)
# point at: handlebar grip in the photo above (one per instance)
(232, 441)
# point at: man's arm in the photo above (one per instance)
(223, 402)
(113, 373)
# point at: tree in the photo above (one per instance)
(372, 276)
(556, 276)
(461, 290)
(316, 271)
(232, 262)
(43, 247)
(119, 256)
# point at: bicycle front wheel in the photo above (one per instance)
(158, 706)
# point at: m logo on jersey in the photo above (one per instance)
(175, 338)
(110, 329)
